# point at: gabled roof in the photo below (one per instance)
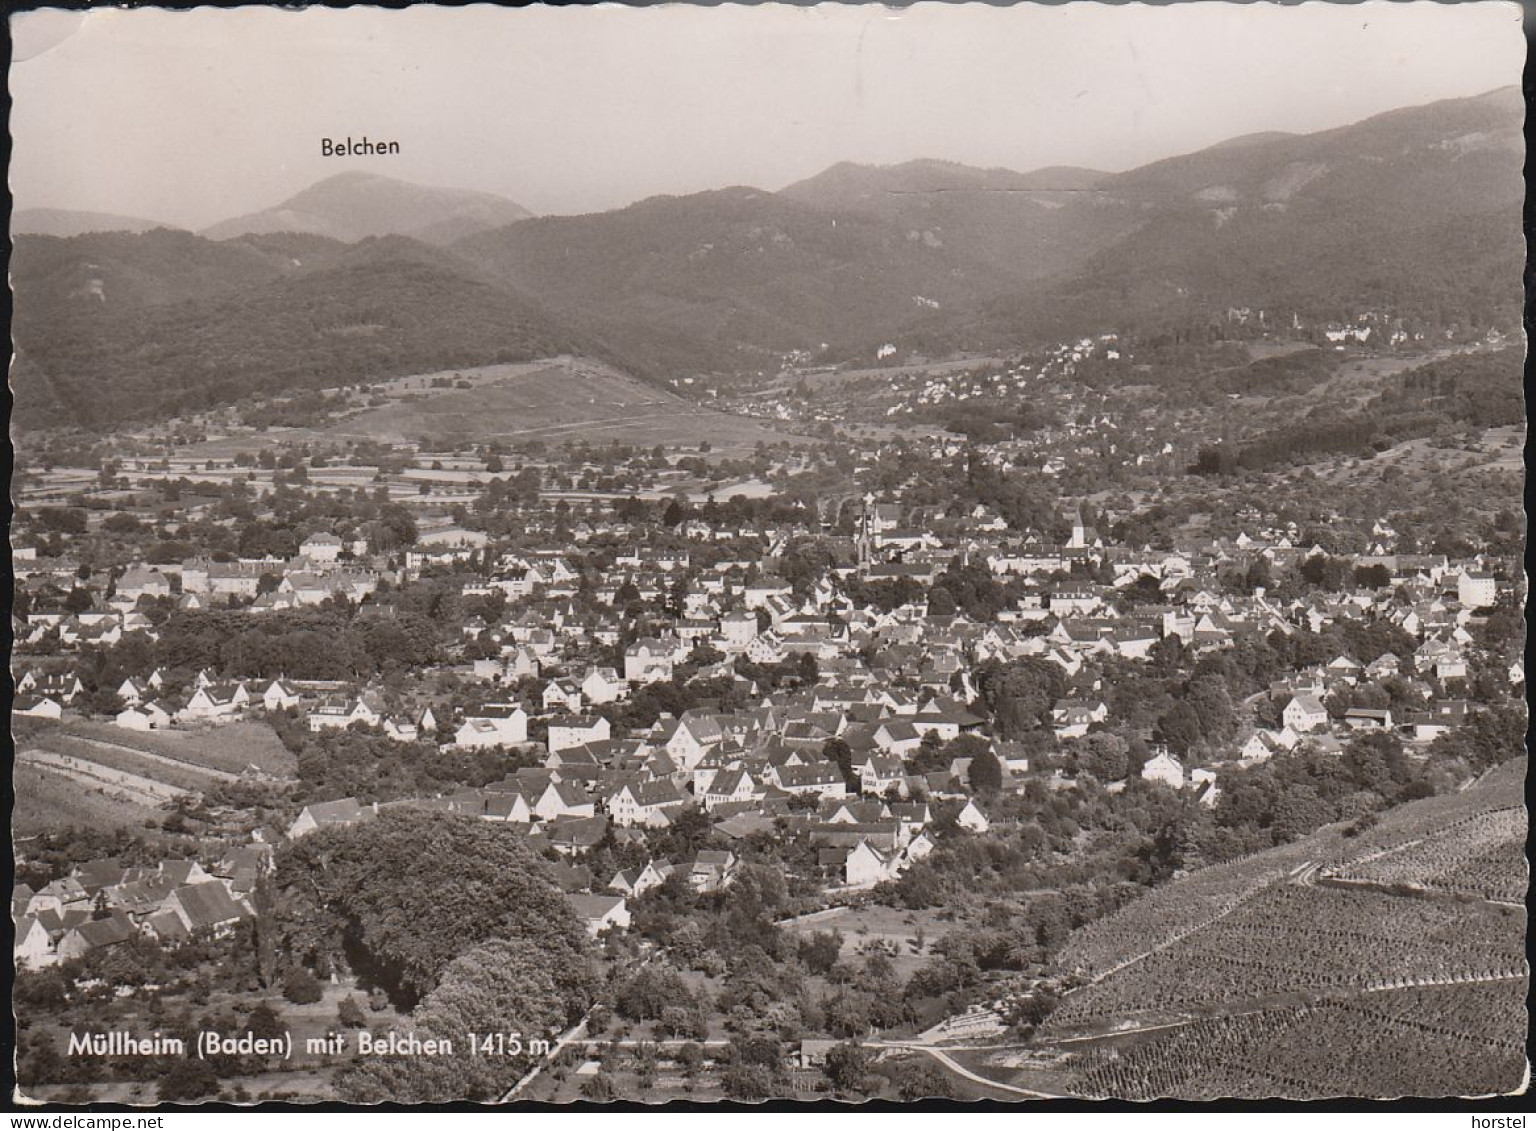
(591, 908)
(342, 812)
(115, 928)
(208, 904)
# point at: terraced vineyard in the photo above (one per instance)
(1480, 856)
(1423, 1042)
(1165, 915)
(1301, 940)
(1382, 965)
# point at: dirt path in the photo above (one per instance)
(145, 791)
(959, 1069)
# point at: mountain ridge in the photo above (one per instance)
(356, 204)
(66, 222)
(1413, 213)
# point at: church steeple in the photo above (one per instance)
(866, 532)
(1079, 531)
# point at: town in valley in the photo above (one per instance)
(780, 645)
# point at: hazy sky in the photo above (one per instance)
(193, 116)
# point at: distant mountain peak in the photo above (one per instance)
(354, 204)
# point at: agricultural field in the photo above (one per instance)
(161, 777)
(1481, 856)
(564, 399)
(101, 776)
(49, 799)
(1271, 977)
(1296, 941)
(1431, 1041)
(1168, 913)
(226, 749)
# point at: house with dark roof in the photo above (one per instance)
(600, 912)
(93, 935)
(206, 906)
(327, 814)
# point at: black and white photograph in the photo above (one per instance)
(816, 555)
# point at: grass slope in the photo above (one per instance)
(556, 401)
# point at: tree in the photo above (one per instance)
(502, 986)
(1180, 727)
(417, 890)
(748, 1082)
(1105, 756)
(301, 987)
(1019, 693)
(598, 1089)
(924, 1081)
(349, 1013)
(986, 773)
(847, 1067)
(837, 751)
(188, 1080)
(820, 952)
(265, 1022)
(646, 995)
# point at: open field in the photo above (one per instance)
(92, 774)
(49, 799)
(554, 400)
(157, 775)
(228, 749)
(97, 775)
(560, 400)
(865, 929)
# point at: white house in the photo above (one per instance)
(577, 730)
(649, 661)
(972, 818)
(603, 685)
(37, 707)
(1305, 713)
(34, 947)
(327, 814)
(563, 799)
(340, 713)
(1477, 590)
(1166, 769)
(600, 912)
(152, 715)
(649, 804)
(866, 866)
(321, 549)
(737, 630)
(279, 694)
(495, 724)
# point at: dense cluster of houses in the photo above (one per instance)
(102, 903)
(887, 685)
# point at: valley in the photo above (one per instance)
(930, 631)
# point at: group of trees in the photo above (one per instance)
(1477, 390)
(414, 891)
